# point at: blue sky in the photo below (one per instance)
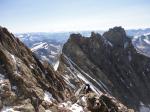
(73, 15)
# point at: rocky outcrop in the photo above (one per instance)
(114, 64)
(116, 36)
(27, 85)
(24, 79)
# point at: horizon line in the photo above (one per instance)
(70, 31)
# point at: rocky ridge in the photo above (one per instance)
(25, 82)
(114, 64)
(27, 85)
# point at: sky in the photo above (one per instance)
(73, 15)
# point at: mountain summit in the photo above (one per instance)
(114, 64)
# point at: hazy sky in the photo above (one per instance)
(72, 15)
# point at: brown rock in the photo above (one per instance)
(25, 108)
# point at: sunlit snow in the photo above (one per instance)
(76, 108)
(148, 42)
(38, 46)
(56, 65)
(48, 96)
(8, 109)
(1, 78)
(72, 107)
(48, 111)
(13, 57)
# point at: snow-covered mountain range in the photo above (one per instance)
(48, 46)
(142, 44)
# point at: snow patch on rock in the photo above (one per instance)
(13, 57)
(144, 108)
(56, 65)
(8, 109)
(48, 111)
(147, 41)
(76, 108)
(41, 45)
(1, 78)
(48, 97)
(72, 107)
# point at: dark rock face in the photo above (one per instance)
(116, 36)
(114, 63)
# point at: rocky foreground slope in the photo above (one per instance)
(24, 81)
(26, 85)
(114, 64)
